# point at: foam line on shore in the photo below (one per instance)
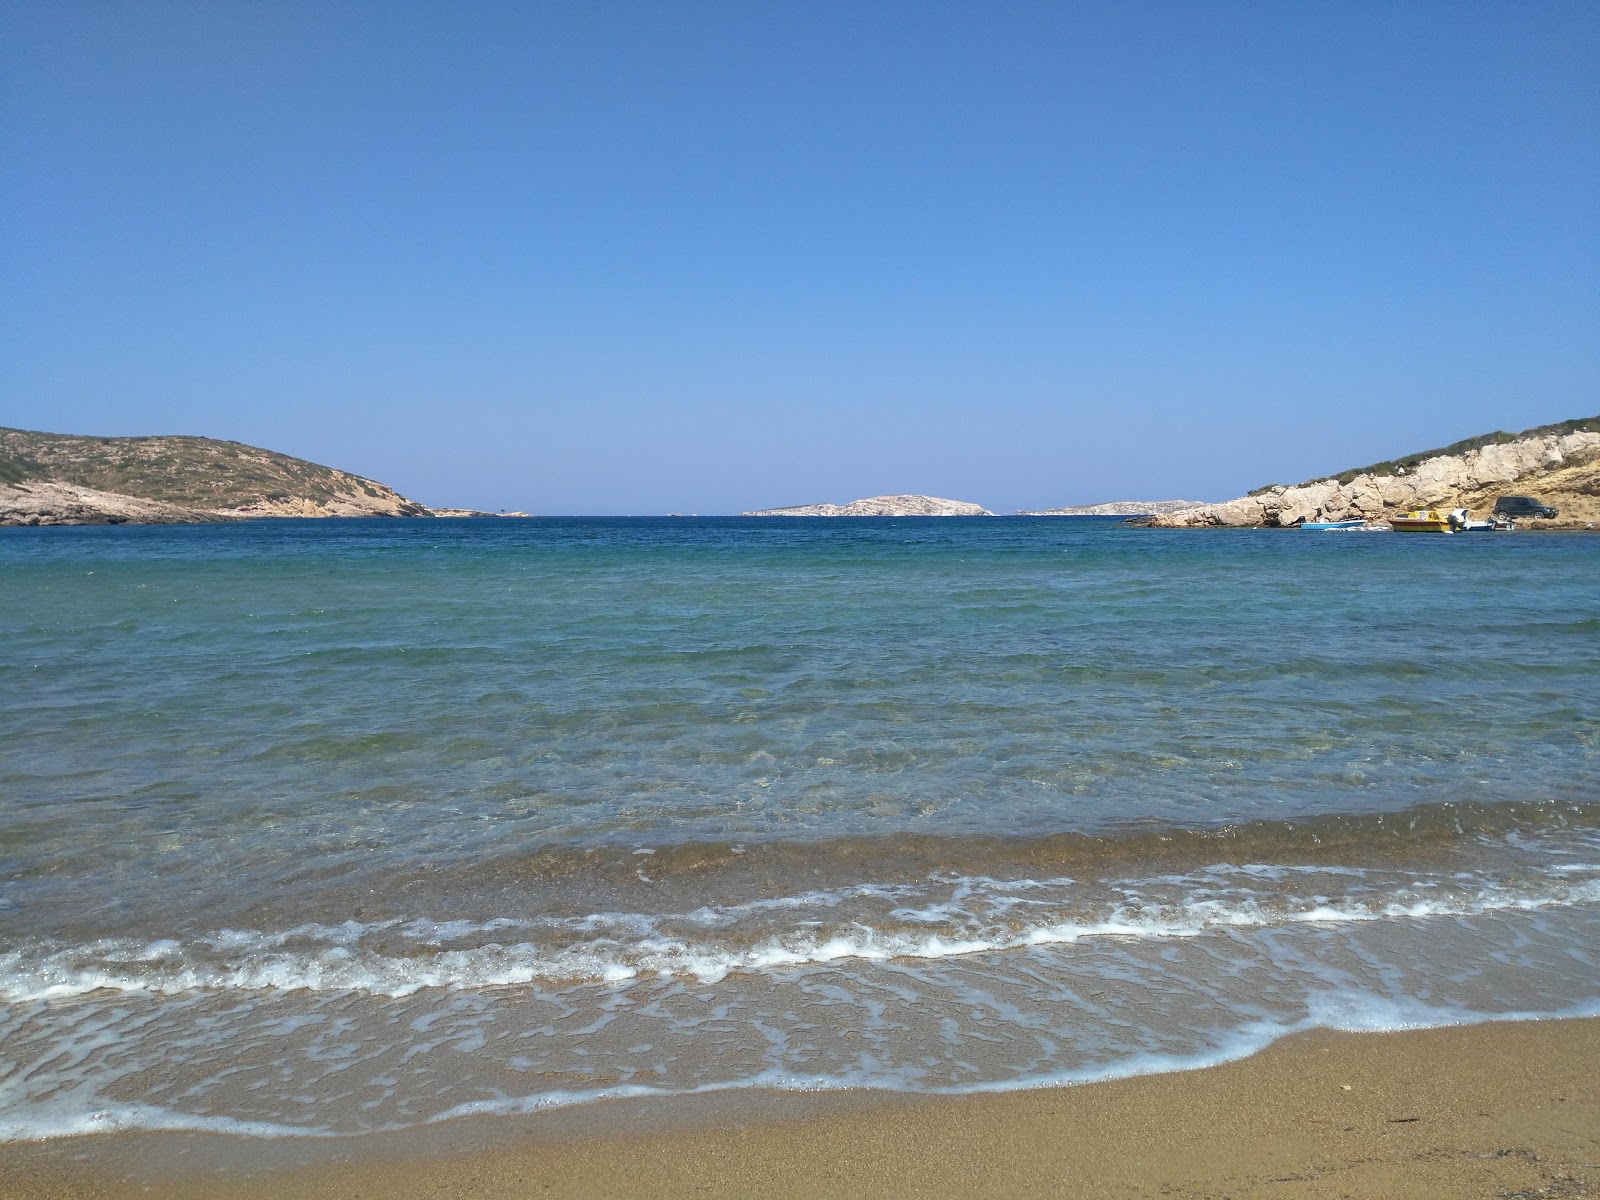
(1348, 1012)
(973, 916)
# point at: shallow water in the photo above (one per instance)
(332, 826)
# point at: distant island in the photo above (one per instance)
(473, 512)
(67, 479)
(881, 506)
(1558, 464)
(1116, 508)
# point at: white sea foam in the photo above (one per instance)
(1116, 1002)
(1345, 1011)
(969, 915)
(62, 1119)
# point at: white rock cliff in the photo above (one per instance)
(1563, 470)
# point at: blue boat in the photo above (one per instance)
(1334, 525)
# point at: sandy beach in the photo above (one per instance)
(1503, 1110)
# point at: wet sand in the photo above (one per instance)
(1505, 1111)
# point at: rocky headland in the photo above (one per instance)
(1116, 508)
(1558, 464)
(881, 506)
(65, 479)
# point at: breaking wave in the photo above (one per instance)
(940, 917)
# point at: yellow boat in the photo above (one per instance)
(1423, 520)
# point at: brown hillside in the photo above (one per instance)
(53, 478)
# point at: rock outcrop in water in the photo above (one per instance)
(881, 506)
(64, 479)
(1559, 464)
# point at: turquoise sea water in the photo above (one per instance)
(332, 826)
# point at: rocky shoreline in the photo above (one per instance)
(42, 503)
(38, 503)
(59, 479)
(1561, 469)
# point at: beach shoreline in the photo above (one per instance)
(1493, 1110)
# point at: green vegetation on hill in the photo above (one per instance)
(195, 472)
(1410, 462)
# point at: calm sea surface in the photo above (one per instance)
(325, 827)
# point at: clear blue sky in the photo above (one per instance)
(630, 257)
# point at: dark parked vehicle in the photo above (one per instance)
(1522, 506)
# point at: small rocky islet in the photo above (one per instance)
(881, 506)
